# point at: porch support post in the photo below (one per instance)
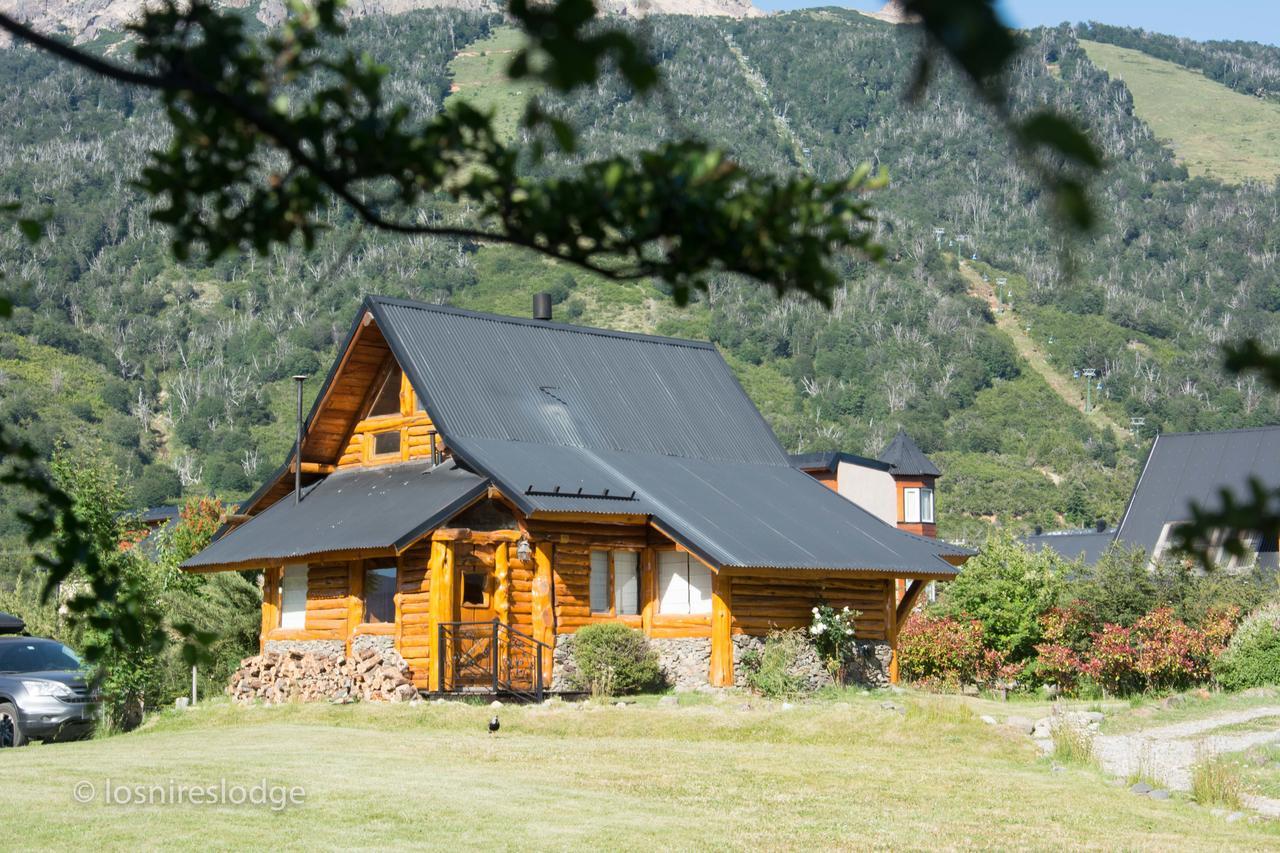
(721, 630)
(502, 582)
(270, 607)
(891, 627)
(544, 611)
(440, 595)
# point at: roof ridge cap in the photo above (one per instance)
(539, 324)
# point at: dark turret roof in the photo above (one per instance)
(907, 459)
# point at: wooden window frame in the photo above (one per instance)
(686, 615)
(366, 566)
(462, 588)
(306, 596)
(933, 510)
(612, 578)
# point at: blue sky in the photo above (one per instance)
(1252, 20)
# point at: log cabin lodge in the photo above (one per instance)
(471, 489)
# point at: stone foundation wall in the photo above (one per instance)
(381, 643)
(307, 647)
(870, 668)
(685, 661)
(563, 668)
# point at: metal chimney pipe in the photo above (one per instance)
(542, 306)
(297, 447)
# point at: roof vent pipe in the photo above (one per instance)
(542, 306)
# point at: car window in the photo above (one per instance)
(37, 656)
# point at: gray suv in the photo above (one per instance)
(45, 692)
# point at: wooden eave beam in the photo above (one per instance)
(909, 599)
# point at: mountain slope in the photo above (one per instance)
(86, 20)
(199, 354)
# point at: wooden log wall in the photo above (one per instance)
(764, 601)
(414, 612)
(327, 613)
(573, 544)
(416, 431)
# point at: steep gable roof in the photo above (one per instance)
(1183, 468)
(907, 459)
(572, 419)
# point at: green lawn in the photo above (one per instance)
(1212, 129)
(713, 774)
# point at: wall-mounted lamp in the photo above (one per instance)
(524, 551)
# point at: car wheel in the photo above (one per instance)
(10, 730)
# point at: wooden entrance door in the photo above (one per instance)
(475, 650)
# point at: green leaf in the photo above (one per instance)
(1049, 129)
(32, 229)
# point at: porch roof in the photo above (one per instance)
(360, 510)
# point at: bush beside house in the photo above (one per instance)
(1029, 619)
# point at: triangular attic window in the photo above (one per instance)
(388, 400)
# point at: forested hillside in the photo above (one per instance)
(181, 370)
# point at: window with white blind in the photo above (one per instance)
(684, 584)
(615, 579)
(293, 597)
(911, 506)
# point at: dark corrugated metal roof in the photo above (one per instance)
(566, 418)
(1183, 468)
(358, 509)
(829, 460)
(11, 624)
(907, 458)
(487, 376)
(1084, 545)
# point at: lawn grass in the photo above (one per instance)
(1212, 129)
(735, 772)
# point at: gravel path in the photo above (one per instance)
(1166, 753)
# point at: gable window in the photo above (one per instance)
(387, 402)
(917, 505)
(684, 584)
(293, 597)
(386, 442)
(615, 582)
(380, 594)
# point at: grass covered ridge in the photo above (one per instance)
(830, 774)
(1213, 130)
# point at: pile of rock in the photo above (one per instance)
(295, 675)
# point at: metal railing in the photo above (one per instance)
(490, 656)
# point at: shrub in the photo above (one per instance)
(1005, 588)
(1253, 657)
(942, 651)
(832, 632)
(772, 672)
(613, 659)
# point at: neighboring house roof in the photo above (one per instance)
(158, 515)
(1085, 545)
(907, 459)
(829, 460)
(382, 509)
(1193, 467)
(573, 419)
(1181, 469)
